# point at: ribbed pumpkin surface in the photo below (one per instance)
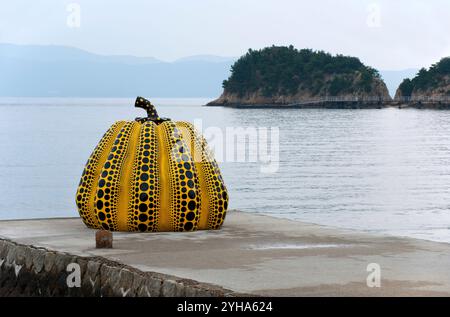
(152, 176)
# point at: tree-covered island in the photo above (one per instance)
(280, 75)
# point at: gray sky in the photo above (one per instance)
(385, 34)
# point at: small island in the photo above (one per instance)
(429, 88)
(280, 76)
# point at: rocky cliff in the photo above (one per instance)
(378, 91)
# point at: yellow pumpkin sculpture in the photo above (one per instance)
(152, 174)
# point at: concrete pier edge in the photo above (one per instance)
(27, 270)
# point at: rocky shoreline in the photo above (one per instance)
(324, 105)
(442, 105)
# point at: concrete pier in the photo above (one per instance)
(253, 254)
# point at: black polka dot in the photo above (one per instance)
(190, 216)
(192, 205)
(143, 197)
(188, 226)
(142, 227)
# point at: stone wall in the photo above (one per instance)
(31, 271)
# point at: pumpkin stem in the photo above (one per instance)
(147, 106)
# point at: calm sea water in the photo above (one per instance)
(384, 171)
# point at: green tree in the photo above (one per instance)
(284, 70)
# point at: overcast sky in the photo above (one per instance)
(385, 34)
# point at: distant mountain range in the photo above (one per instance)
(45, 71)
(60, 71)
